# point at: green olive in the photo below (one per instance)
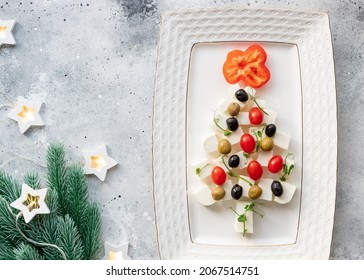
(218, 193)
(267, 144)
(255, 192)
(233, 109)
(224, 146)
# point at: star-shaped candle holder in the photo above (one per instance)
(6, 35)
(116, 252)
(98, 162)
(31, 202)
(26, 113)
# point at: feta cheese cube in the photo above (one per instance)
(250, 90)
(264, 157)
(218, 162)
(288, 192)
(222, 109)
(232, 89)
(203, 196)
(270, 118)
(240, 209)
(211, 145)
(243, 161)
(234, 138)
(243, 118)
(221, 122)
(281, 140)
(265, 185)
(261, 102)
(205, 169)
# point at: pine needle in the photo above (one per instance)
(56, 166)
(76, 194)
(90, 231)
(6, 248)
(9, 188)
(32, 180)
(26, 252)
(69, 239)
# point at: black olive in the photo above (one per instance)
(234, 161)
(237, 192)
(241, 95)
(232, 124)
(277, 188)
(270, 130)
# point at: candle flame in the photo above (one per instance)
(98, 162)
(115, 256)
(26, 114)
(32, 202)
(2, 31)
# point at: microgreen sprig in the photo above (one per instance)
(232, 174)
(287, 169)
(227, 132)
(256, 103)
(259, 136)
(199, 169)
(242, 218)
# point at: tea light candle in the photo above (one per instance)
(116, 252)
(98, 162)
(31, 202)
(6, 36)
(26, 113)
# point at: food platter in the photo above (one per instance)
(189, 85)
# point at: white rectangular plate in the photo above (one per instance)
(190, 85)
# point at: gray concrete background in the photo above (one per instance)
(93, 62)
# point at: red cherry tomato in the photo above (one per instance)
(255, 115)
(275, 164)
(218, 175)
(255, 170)
(247, 143)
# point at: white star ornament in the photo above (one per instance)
(98, 162)
(26, 113)
(31, 202)
(6, 35)
(116, 252)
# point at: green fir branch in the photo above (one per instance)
(85, 215)
(56, 166)
(76, 195)
(6, 248)
(48, 233)
(69, 239)
(7, 223)
(9, 188)
(33, 181)
(26, 252)
(90, 231)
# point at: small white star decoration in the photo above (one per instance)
(31, 202)
(98, 162)
(116, 252)
(6, 36)
(26, 113)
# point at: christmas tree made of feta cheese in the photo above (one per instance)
(247, 156)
